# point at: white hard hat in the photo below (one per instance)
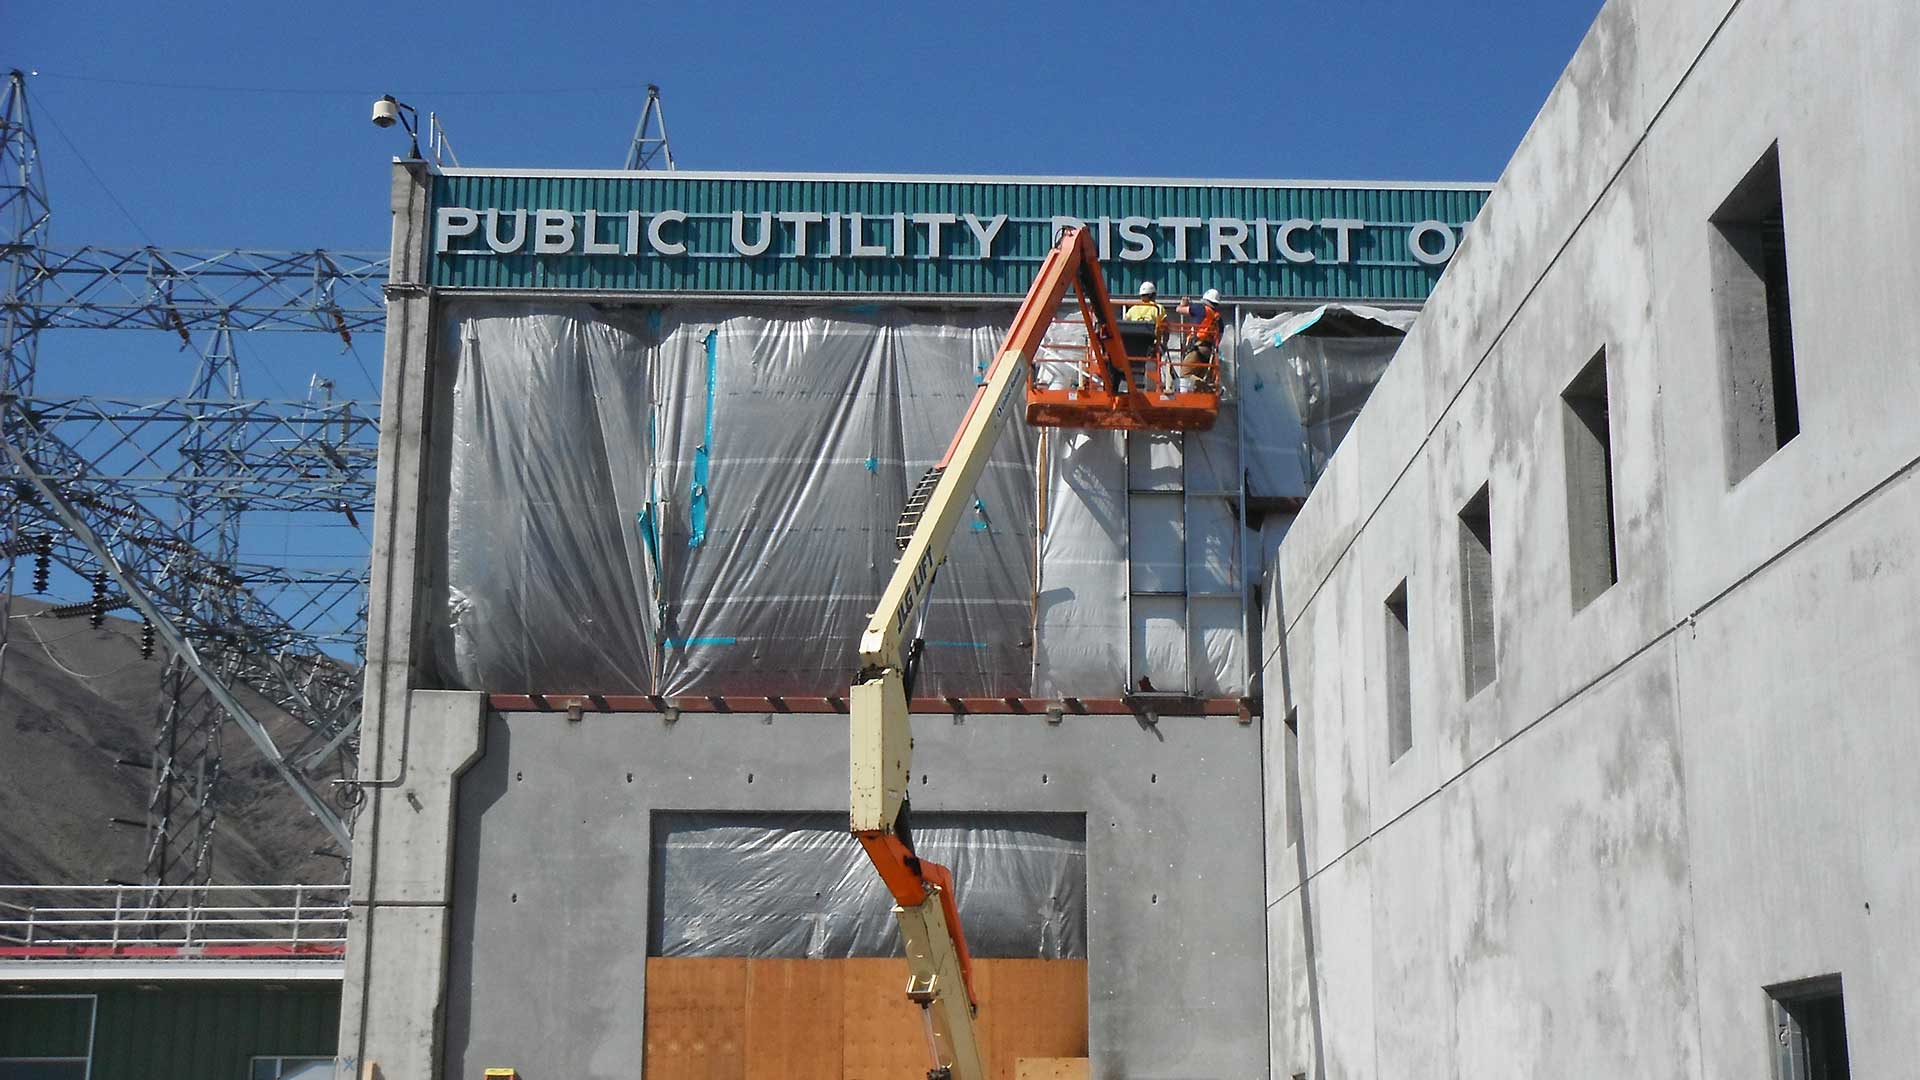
(1147, 289)
(1211, 296)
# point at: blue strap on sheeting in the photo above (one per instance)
(697, 506)
(681, 643)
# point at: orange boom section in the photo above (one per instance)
(1091, 369)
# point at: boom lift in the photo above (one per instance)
(1121, 378)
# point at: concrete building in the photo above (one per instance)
(645, 438)
(1598, 642)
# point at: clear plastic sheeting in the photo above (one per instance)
(799, 885)
(696, 499)
(548, 461)
(1081, 605)
(1140, 566)
(683, 500)
(1304, 377)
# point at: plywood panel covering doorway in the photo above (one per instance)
(731, 1018)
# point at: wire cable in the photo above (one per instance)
(45, 114)
(310, 91)
(45, 648)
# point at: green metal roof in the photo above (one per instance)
(1379, 263)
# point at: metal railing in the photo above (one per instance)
(213, 921)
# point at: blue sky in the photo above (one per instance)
(1352, 90)
(216, 124)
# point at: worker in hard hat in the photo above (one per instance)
(1147, 308)
(1197, 364)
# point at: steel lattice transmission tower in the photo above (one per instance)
(147, 500)
(650, 136)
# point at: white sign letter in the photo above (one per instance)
(1287, 250)
(1342, 229)
(740, 233)
(1416, 240)
(1137, 245)
(933, 223)
(660, 243)
(594, 245)
(800, 219)
(858, 230)
(506, 247)
(984, 234)
(454, 221)
(553, 232)
(1180, 225)
(1226, 234)
(633, 232)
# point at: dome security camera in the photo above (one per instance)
(386, 112)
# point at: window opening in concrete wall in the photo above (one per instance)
(1809, 1030)
(797, 885)
(1476, 592)
(1753, 320)
(1399, 676)
(1592, 556)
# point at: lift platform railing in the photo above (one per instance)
(228, 922)
(1178, 386)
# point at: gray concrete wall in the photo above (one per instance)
(1693, 787)
(551, 883)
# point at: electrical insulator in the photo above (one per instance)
(42, 561)
(97, 611)
(146, 639)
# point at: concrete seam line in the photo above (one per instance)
(1500, 335)
(1821, 526)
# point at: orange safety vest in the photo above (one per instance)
(1209, 331)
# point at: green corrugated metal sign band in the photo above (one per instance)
(672, 232)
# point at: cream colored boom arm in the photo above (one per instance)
(881, 739)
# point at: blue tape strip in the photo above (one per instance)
(697, 506)
(959, 644)
(682, 643)
(649, 536)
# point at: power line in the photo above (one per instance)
(308, 91)
(82, 158)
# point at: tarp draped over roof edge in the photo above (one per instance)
(1303, 377)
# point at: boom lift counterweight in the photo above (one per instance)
(1122, 381)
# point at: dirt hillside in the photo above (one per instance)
(77, 702)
